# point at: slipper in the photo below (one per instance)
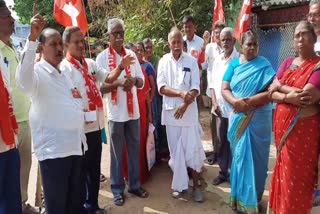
(102, 178)
(118, 199)
(218, 180)
(212, 159)
(177, 194)
(198, 195)
(141, 193)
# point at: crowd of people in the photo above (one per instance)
(54, 94)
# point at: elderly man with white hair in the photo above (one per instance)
(179, 84)
(124, 76)
(220, 108)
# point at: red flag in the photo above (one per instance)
(71, 13)
(218, 13)
(243, 19)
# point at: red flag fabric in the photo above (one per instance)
(243, 20)
(218, 14)
(71, 13)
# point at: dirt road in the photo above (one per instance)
(160, 200)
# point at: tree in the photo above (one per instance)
(143, 18)
(24, 9)
(151, 18)
(232, 8)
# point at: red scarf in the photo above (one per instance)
(93, 94)
(112, 65)
(8, 122)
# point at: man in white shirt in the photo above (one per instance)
(56, 120)
(213, 50)
(179, 84)
(314, 19)
(220, 107)
(87, 78)
(124, 76)
(194, 42)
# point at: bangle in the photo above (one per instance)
(284, 98)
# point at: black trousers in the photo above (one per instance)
(92, 160)
(63, 184)
(224, 155)
(10, 193)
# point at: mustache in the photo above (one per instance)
(176, 49)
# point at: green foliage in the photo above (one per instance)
(24, 9)
(152, 18)
(143, 18)
(232, 8)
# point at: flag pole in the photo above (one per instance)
(174, 21)
(89, 49)
(88, 36)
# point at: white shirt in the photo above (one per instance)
(212, 51)
(194, 46)
(317, 46)
(79, 82)
(56, 117)
(218, 69)
(119, 112)
(182, 75)
(4, 147)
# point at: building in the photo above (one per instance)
(19, 38)
(274, 21)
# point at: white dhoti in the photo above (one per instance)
(186, 150)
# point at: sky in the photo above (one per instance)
(11, 3)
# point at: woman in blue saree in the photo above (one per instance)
(244, 87)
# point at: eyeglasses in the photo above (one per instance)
(313, 15)
(117, 33)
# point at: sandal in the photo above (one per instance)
(218, 180)
(102, 178)
(198, 195)
(118, 200)
(177, 194)
(140, 192)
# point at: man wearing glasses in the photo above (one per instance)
(314, 18)
(124, 76)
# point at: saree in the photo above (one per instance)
(144, 125)
(250, 149)
(148, 67)
(295, 172)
